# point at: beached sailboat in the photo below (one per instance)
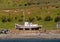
(27, 25)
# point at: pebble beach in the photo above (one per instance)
(30, 34)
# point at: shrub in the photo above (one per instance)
(38, 3)
(25, 4)
(31, 19)
(57, 19)
(9, 19)
(22, 16)
(15, 18)
(38, 18)
(48, 18)
(58, 13)
(4, 19)
(56, 7)
(20, 20)
(20, 5)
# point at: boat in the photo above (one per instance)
(28, 26)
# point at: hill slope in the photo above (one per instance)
(11, 12)
(22, 3)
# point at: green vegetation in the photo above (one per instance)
(44, 12)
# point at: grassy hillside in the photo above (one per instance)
(12, 12)
(8, 4)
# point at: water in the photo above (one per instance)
(30, 40)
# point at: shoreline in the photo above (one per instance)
(29, 36)
(17, 34)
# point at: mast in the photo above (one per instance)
(23, 16)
